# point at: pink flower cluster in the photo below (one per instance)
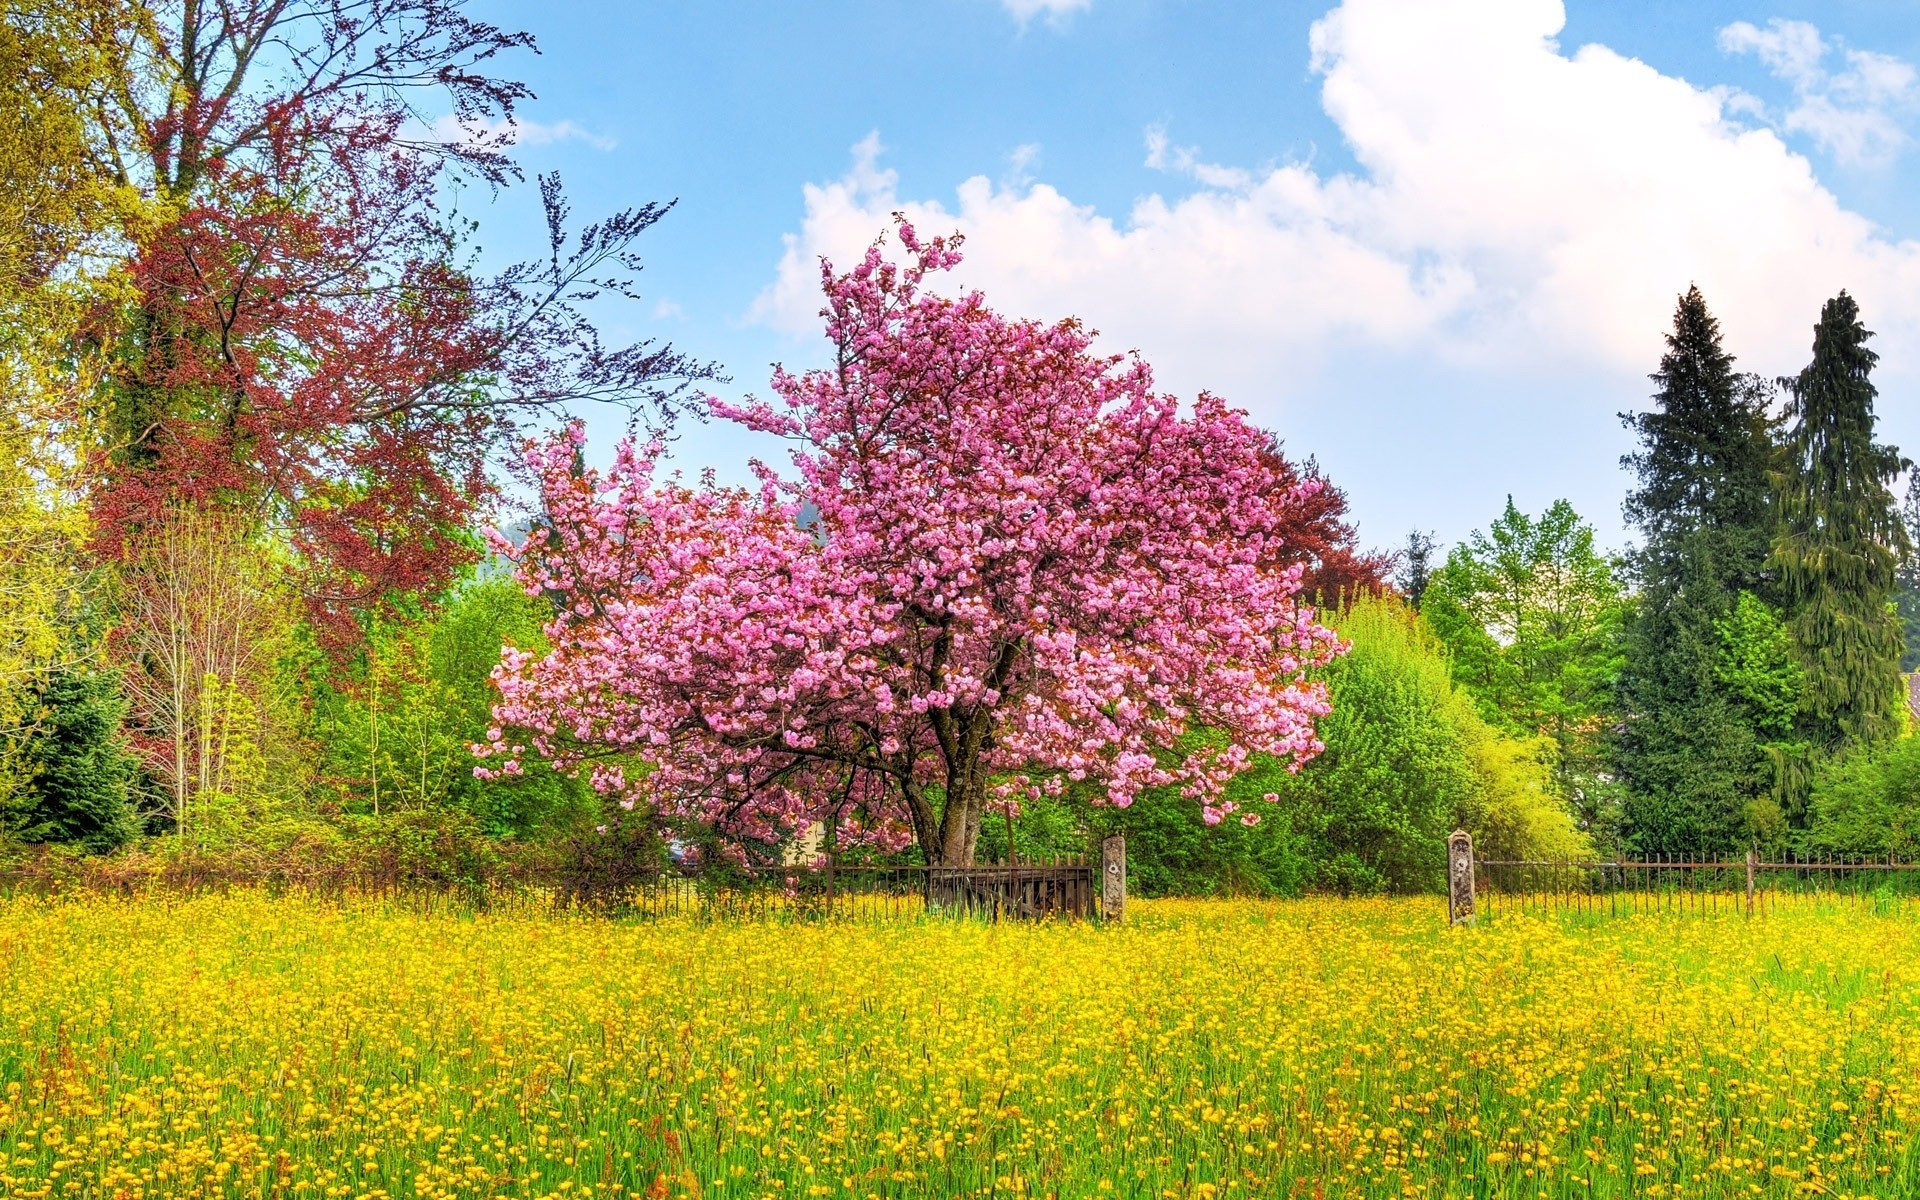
(1002, 564)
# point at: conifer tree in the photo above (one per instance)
(1685, 749)
(1415, 568)
(81, 771)
(1906, 599)
(1838, 544)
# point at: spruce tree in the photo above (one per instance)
(1838, 545)
(1685, 749)
(80, 770)
(1906, 599)
(1416, 567)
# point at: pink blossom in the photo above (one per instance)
(1023, 566)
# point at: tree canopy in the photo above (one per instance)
(1018, 567)
(1691, 757)
(1838, 544)
(1530, 612)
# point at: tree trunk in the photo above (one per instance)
(960, 822)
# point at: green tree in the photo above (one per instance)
(1684, 749)
(1867, 802)
(1408, 758)
(1530, 612)
(79, 771)
(1906, 600)
(1838, 543)
(398, 728)
(1415, 567)
(51, 207)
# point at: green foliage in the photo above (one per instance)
(1867, 803)
(1408, 759)
(1757, 666)
(77, 768)
(1685, 749)
(1906, 598)
(1530, 613)
(1840, 540)
(396, 732)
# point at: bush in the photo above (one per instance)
(1867, 803)
(1408, 759)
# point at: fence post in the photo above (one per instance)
(1753, 860)
(1460, 878)
(1113, 877)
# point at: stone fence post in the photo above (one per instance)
(1113, 877)
(1460, 878)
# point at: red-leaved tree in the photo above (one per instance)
(1318, 537)
(1005, 564)
(302, 342)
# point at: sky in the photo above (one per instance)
(1434, 244)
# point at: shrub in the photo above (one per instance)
(1408, 758)
(1868, 803)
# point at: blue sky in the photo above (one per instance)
(1433, 243)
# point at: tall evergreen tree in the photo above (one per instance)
(1839, 543)
(1416, 567)
(1685, 749)
(1906, 600)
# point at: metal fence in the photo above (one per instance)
(1685, 884)
(1025, 891)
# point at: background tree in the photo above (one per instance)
(1688, 749)
(52, 209)
(1906, 597)
(203, 619)
(1415, 569)
(1838, 543)
(1021, 568)
(1409, 758)
(78, 770)
(302, 340)
(1530, 613)
(1319, 538)
(394, 730)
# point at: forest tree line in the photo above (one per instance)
(258, 397)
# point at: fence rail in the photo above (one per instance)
(1685, 884)
(1026, 891)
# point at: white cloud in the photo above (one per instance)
(1790, 49)
(1856, 113)
(1055, 11)
(517, 131)
(664, 310)
(1517, 208)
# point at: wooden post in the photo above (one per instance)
(1113, 878)
(1460, 878)
(1753, 860)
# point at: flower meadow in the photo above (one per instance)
(246, 1045)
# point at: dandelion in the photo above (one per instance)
(254, 1045)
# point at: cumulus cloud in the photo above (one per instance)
(1515, 207)
(1854, 113)
(1053, 10)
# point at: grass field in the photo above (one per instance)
(284, 1047)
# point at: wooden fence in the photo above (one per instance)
(1676, 883)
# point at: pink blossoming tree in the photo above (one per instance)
(1006, 563)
